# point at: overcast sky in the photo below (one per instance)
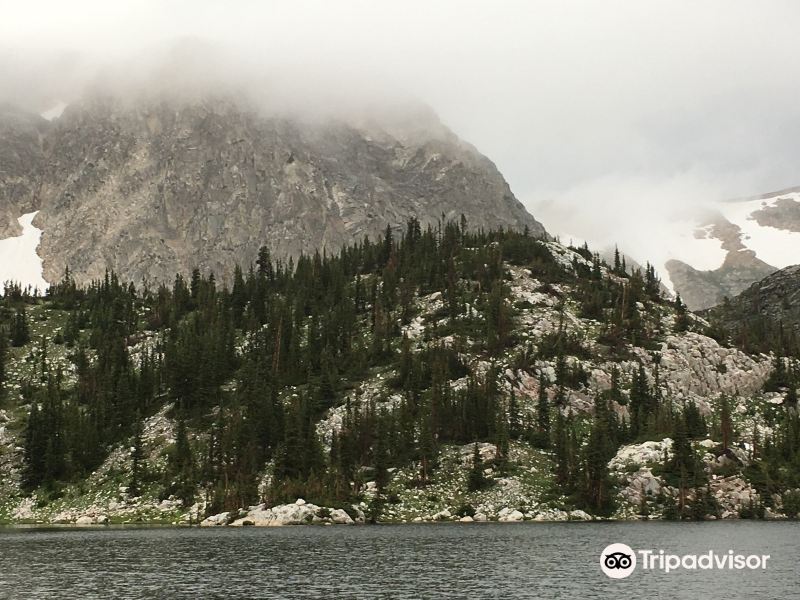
(600, 114)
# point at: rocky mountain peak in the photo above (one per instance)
(153, 186)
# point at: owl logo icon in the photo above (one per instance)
(618, 561)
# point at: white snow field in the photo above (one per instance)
(777, 247)
(676, 240)
(19, 261)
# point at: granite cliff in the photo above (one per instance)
(151, 187)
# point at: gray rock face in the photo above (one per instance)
(784, 214)
(151, 188)
(775, 299)
(703, 289)
(21, 161)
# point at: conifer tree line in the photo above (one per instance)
(251, 365)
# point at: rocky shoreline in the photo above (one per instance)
(299, 513)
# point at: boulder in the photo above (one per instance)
(340, 517)
(770, 515)
(216, 520)
(360, 517)
(466, 519)
(512, 516)
(293, 514)
(579, 515)
(552, 514)
(487, 451)
(479, 518)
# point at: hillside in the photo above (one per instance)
(443, 375)
(766, 315)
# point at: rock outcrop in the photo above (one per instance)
(299, 513)
(703, 289)
(775, 300)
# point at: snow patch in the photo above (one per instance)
(677, 239)
(776, 247)
(51, 114)
(19, 261)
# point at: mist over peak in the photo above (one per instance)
(604, 119)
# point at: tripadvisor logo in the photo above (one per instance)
(618, 561)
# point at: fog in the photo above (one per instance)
(603, 116)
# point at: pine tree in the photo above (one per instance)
(514, 418)
(427, 447)
(20, 332)
(726, 424)
(562, 450)
(600, 448)
(681, 315)
(503, 444)
(180, 466)
(640, 402)
(790, 399)
(695, 424)
(683, 464)
(3, 358)
(476, 480)
(381, 463)
(34, 450)
(137, 457)
(542, 414)
(542, 437)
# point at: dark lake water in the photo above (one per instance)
(492, 560)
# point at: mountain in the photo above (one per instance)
(443, 376)
(750, 239)
(766, 311)
(151, 187)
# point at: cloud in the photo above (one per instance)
(600, 114)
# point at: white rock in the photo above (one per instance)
(215, 520)
(340, 517)
(512, 516)
(769, 515)
(488, 452)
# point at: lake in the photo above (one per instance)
(489, 560)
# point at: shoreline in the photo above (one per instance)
(173, 525)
